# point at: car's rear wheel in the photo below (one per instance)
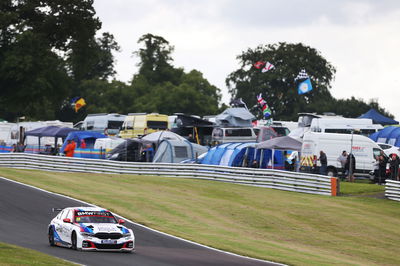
(51, 236)
(73, 241)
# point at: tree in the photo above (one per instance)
(155, 60)
(277, 85)
(160, 87)
(47, 48)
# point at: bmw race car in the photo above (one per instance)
(90, 228)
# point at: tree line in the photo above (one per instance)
(49, 54)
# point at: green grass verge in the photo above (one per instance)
(360, 187)
(14, 255)
(287, 227)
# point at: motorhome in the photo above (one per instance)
(109, 124)
(363, 148)
(331, 123)
(222, 135)
(139, 124)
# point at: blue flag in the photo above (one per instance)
(304, 86)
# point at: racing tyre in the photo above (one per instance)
(73, 241)
(51, 237)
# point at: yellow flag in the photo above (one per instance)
(79, 104)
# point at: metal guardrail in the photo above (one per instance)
(276, 179)
(392, 189)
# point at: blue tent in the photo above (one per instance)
(378, 118)
(77, 136)
(390, 135)
(234, 154)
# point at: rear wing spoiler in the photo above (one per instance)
(56, 209)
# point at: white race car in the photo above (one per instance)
(90, 228)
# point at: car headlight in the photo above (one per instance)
(86, 234)
(126, 234)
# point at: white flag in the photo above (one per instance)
(268, 66)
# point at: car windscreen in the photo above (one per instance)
(94, 217)
(115, 124)
(157, 124)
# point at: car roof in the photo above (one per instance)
(86, 209)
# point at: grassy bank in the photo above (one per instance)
(13, 255)
(286, 227)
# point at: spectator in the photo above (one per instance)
(14, 148)
(83, 144)
(394, 162)
(376, 170)
(70, 148)
(147, 153)
(191, 139)
(382, 167)
(351, 166)
(324, 163)
(342, 159)
(254, 164)
(21, 147)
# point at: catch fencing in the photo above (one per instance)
(276, 179)
(392, 189)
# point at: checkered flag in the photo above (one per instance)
(302, 75)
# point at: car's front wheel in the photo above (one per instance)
(51, 236)
(73, 241)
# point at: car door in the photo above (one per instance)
(67, 227)
(59, 225)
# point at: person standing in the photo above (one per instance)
(324, 163)
(351, 166)
(394, 166)
(382, 167)
(342, 159)
(83, 144)
(69, 149)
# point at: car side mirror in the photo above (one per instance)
(67, 220)
(121, 221)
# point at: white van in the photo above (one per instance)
(333, 144)
(233, 134)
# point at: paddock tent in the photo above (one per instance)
(175, 151)
(378, 118)
(77, 136)
(281, 143)
(50, 131)
(390, 135)
(235, 117)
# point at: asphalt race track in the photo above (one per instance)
(26, 213)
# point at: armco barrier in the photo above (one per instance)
(283, 180)
(392, 189)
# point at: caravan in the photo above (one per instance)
(364, 149)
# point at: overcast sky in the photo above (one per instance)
(361, 39)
